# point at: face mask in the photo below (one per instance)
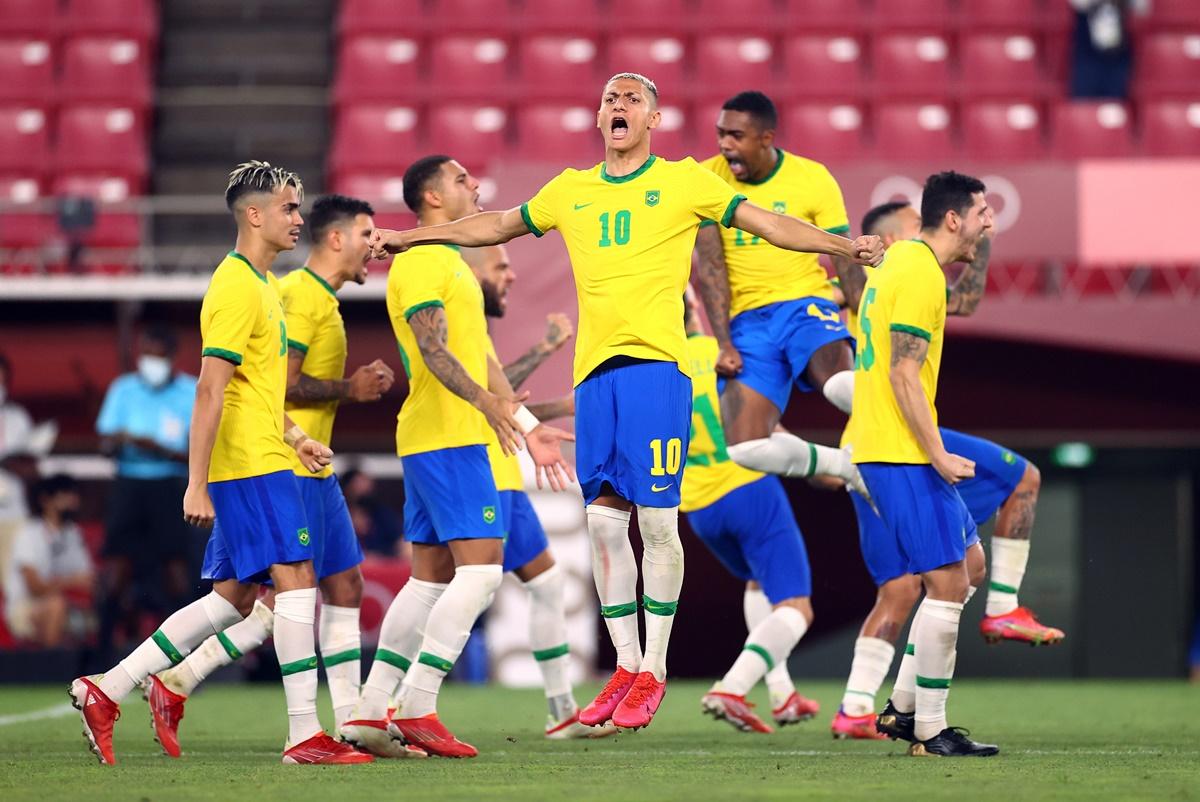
(154, 369)
(3, 393)
(69, 515)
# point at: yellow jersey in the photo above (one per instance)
(630, 239)
(315, 328)
(432, 417)
(242, 321)
(709, 473)
(906, 294)
(760, 273)
(506, 468)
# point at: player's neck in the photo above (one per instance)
(261, 255)
(326, 269)
(433, 217)
(942, 243)
(765, 169)
(622, 163)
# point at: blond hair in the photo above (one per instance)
(258, 176)
(641, 79)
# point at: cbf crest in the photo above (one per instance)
(652, 197)
(779, 207)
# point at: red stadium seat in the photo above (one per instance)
(911, 63)
(468, 15)
(561, 64)
(1013, 15)
(998, 131)
(826, 132)
(382, 190)
(374, 137)
(999, 64)
(924, 14)
(663, 15)
(914, 131)
(376, 68)
(559, 133)
(22, 233)
(26, 71)
(474, 134)
(715, 16)
(728, 64)
(1168, 64)
(845, 16)
(1087, 130)
(1171, 128)
(541, 15)
(136, 19)
(675, 136)
(661, 58)
(107, 69)
(35, 18)
(1167, 14)
(824, 65)
(379, 17)
(24, 140)
(112, 229)
(469, 66)
(104, 139)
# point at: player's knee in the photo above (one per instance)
(1031, 480)
(802, 604)
(897, 598)
(659, 526)
(839, 390)
(344, 589)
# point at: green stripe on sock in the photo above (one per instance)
(618, 610)
(933, 683)
(994, 585)
(341, 657)
(299, 666)
(659, 608)
(910, 649)
(167, 647)
(551, 653)
(812, 460)
(433, 661)
(761, 652)
(861, 693)
(234, 652)
(393, 659)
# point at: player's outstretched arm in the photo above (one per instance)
(712, 280)
(368, 383)
(473, 231)
(787, 232)
(908, 355)
(215, 374)
(968, 289)
(559, 330)
(555, 408)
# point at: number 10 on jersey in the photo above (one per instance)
(620, 228)
(674, 456)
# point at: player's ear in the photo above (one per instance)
(655, 119)
(768, 137)
(254, 215)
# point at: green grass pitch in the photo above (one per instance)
(1060, 740)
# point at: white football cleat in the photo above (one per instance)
(570, 729)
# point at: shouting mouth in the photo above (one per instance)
(619, 128)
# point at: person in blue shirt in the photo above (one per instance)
(143, 425)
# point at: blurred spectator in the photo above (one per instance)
(1102, 59)
(376, 524)
(15, 423)
(144, 425)
(49, 565)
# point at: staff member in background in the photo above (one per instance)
(144, 425)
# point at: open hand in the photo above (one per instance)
(545, 446)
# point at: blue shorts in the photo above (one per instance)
(998, 471)
(777, 340)
(754, 534)
(260, 522)
(922, 523)
(335, 544)
(449, 494)
(525, 538)
(632, 424)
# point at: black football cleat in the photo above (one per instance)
(896, 725)
(952, 742)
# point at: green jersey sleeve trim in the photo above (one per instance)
(537, 232)
(734, 202)
(704, 223)
(913, 330)
(221, 353)
(840, 230)
(412, 310)
(299, 346)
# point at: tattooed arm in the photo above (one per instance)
(851, 280)
(555, 408)
(558, 331)
(908, 355)
(968, 289)
(712, 280)
(368, 383)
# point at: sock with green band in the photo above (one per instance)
(548, 639)
(767, 646)
(225, 647)
(615, 571)
(872, 661)
(936, 640)
(662, 578)
(756, 607)
(341, 648)
(296, 648)
(1009, 558)
(399, 639)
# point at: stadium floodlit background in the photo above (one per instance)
(119, 120)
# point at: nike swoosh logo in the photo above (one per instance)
(579, 206)
(657, 489)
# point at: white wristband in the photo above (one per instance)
(526, 421)
(293, 436)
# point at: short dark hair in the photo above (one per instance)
(256, 176)
(162, 334)
(944, 192)
(331, 210)
(872, 217)
(417, 178)
(757, 105)
(51, 486)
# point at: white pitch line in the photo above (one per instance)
(57, 711)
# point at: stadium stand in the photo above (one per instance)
(106, 69)
(1171, 128)
(1091, 130)
(26, 70)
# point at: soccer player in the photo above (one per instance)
(896, 444)
(745, 520)
(240, 480)
(453, 515)
(785, 329)
(340, 228)
(629, 224)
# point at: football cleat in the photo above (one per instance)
(98, 714)
(600, 710)
(796, 709)
(570, 728)
(429, 734)
(1020, 625)
(856, 728)
(952, 742)
(375, 738)
(735, 710)
(166, 711)
(324, 751)
(638, 707)
(896, 725)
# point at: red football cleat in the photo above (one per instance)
(857, 728)
(375, 737)
(428, 733)
(601, 708)
(166, 711)
(638, 707)
(1020, 625)
(797, 708)
(735, 710)
(98, 714)
(321, 750)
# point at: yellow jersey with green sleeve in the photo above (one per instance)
(907, 294)
(432, 417)
(709, 473)
(759, 273)
(506, 468)
(630, 240)
(315, 329)
(242, 321)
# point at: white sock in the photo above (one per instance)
(341, 654)
(936, 641)
(400, 637)
(548, 638)
(220, 650)
(296, 648)
(767, 645)
(177, 636)
(662, 579)
(839, 389)
(615, 571)
(446, 633)
(872, 661)
(1009, 557)
(904, 692)
(786, 454)
(756, 607)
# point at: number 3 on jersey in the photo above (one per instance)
(674, 456)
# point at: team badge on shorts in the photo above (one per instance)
(1010, 458)
(302, 536)
(489, 515)
(652, 196)
(779, 207)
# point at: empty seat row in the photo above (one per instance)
(85, 138)
(50, 19)
(106, 69)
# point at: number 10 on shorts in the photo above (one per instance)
(674, 456)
